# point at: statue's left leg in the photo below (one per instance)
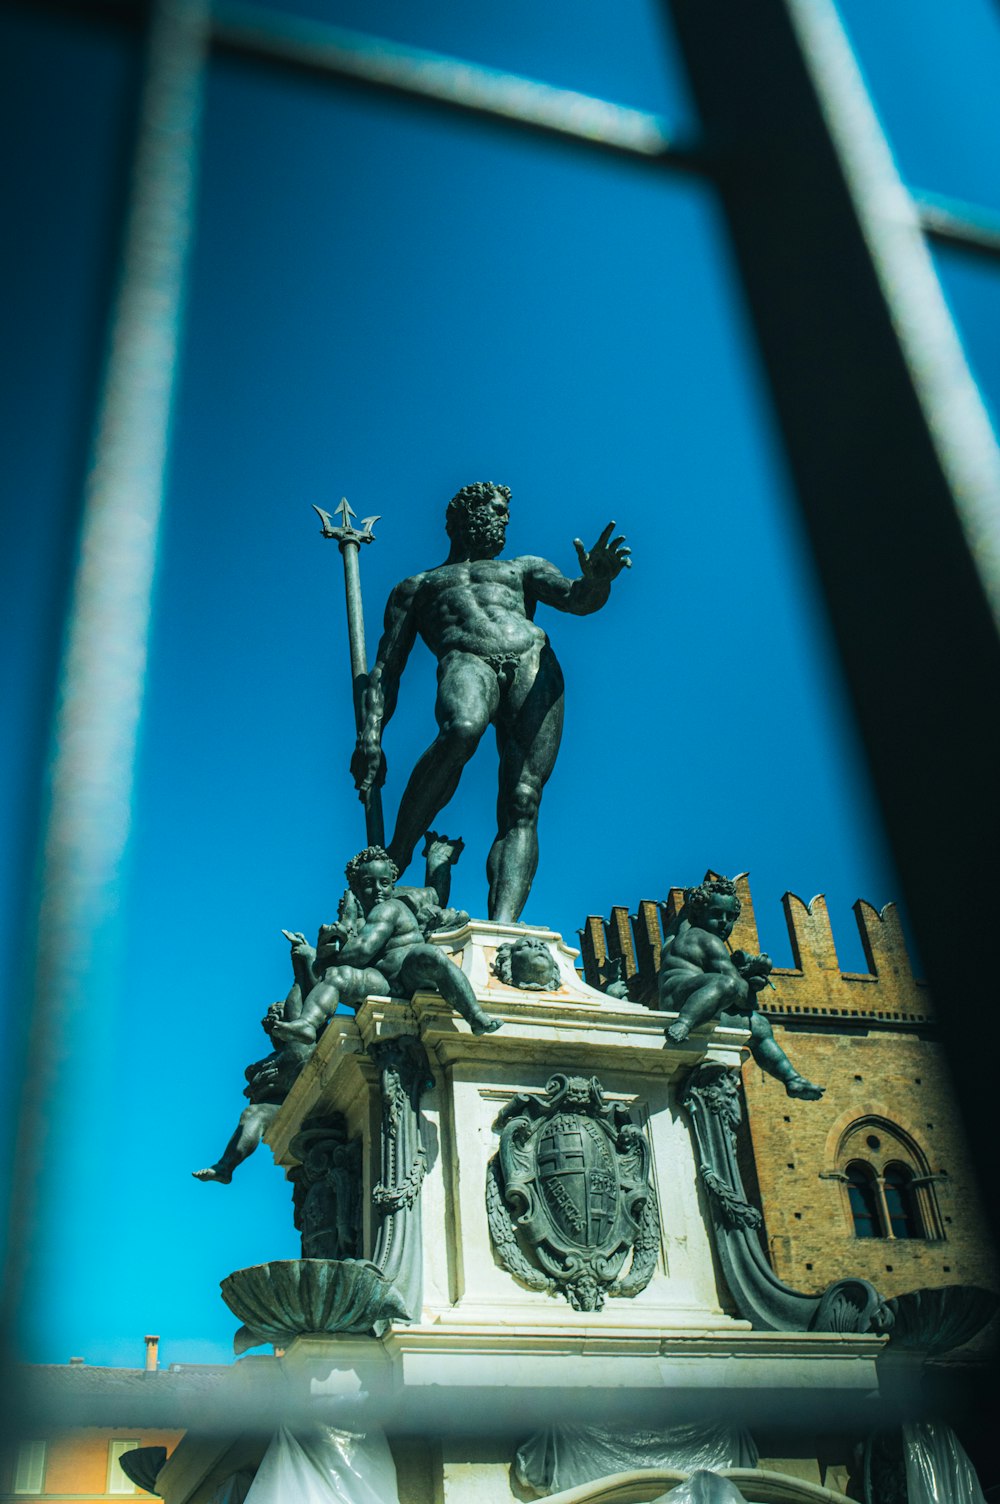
(529, 730)
(769, 1055)
(428, 966)
(253, 1123)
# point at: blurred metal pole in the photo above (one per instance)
(961, 225)
(315, 47)
(892, 453)
(104, 658)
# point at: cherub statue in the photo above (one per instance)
(270, 1080)
(382, 950)
(268, 1083)
(701, 978)
(429, 903)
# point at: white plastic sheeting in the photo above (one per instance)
(566, 1456)
(938, 1470)
(325, 1466)
(702, 1488)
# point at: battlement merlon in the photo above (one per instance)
(629, 945)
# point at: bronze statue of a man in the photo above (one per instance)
(495, 667)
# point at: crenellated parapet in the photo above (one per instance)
(627, 946)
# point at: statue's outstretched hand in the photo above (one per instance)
(368, 764)
(606, 559)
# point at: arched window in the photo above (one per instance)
(901, 1202)
(862, 1192)
(888, 1185)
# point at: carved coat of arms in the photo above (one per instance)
(570, 1187)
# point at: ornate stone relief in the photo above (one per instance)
(568, 1194)
(326, 1189)
(331, 1288)
(404, 1075)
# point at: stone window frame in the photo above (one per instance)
(900, 1149)
(878, 1209)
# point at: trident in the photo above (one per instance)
(349, 540)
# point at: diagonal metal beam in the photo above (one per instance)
(469, 88)
(313, 47)
(894, 461)
(959, 225)
(414, 73)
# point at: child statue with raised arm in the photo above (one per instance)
(701, 978)
(381, 950)
(323, 970)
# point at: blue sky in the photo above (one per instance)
(387, 306)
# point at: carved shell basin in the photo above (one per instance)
(289, 1297)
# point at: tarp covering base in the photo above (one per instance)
(325, 1466)
(566, 1456)
(702, 1488)
(938, 1470)
(235, 1488)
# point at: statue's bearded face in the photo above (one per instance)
(483, 525)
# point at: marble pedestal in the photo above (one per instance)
(478, 1326)
(487, 1362)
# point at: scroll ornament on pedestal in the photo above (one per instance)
(934, 1320)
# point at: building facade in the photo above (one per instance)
(75, 1420)
(874, 1180)
(78, 1465)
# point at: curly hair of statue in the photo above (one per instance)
(479, 490)
(364, 858)
(713, 887)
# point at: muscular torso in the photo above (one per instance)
(389, 934)
(690, 955)
(476, 607)
(692, 946)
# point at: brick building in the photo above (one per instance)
(875, 1179)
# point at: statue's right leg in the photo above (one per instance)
(318, 1005)
(467, 700)
(427, 966)
(715, 995)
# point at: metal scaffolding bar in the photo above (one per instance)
(313, 47)
(960, 225)
(471, 88)
(104, 660)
